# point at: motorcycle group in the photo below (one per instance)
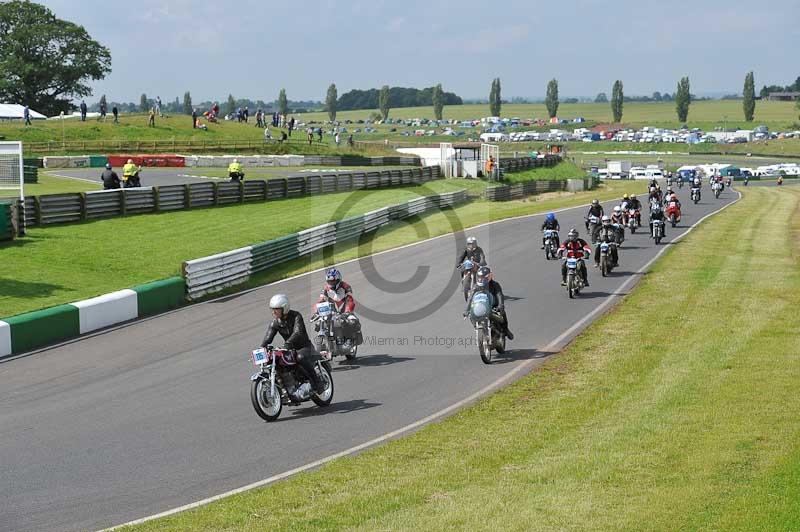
(300, 371)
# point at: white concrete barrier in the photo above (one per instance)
(108, 309)
(5, 339)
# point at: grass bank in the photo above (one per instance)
(61, 264)
(678, 410)
(563, 170)
(49, 184)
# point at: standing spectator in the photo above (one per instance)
(152, 121)
(27, 115)
(110, 178)
(336, 138)
(275, 119)
(350, 141)
(267, 134)
(115, 112)
(194, 118)
(215, 109)
(83, 111)
(158, 106)
(310, 134)
(291, 126)
(246, 115)
(103, 111)
(319, 133)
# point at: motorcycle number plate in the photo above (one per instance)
(480, 297)
(259, 356)
(572, 263)
(324, 309)
(604, 248)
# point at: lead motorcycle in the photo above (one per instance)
(334, 329)
(695, 194)
(606, 259)
(574, 279)
(657, 230)
(488, 325)
(281, 381)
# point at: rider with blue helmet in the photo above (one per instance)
(550, 222)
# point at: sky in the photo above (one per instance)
(252, 48)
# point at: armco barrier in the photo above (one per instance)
(211, 274)
(530, 188)
(32, 330)
(67, 208)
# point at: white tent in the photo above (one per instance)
(13, 111)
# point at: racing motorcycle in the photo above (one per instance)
(658, 230)
(550, 247)
(593, 227)
(632, 220)
(281, 381)
(334, 329)
(488, 326)
(468, 271)
(717, 188)
(673, 213)
(606, 259)
(695, 194)
(574, 278)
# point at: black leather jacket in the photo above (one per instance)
(293, 330)
(551, 225)
(596, 210)
(476, 255)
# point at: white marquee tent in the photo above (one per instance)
(13, 111)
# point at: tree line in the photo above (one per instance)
(398, 97)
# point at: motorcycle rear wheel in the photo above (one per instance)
(268, 409)
(604, 266)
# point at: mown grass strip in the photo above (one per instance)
(678, 410)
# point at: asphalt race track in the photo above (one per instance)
(156, 414)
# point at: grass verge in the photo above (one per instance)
(677, 410)
(49, 184)
(62, 264)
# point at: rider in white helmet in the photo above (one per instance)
(289, 323)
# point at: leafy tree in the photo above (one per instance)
(657, 96)
(283, 103)
(551, 99)
(797, 105)
(683, 98)
(763, 93)
(45, 62)
(398, 97)
(495, 98)
(749, 97)
(383, 102)
(330, 101)
(437, 99)
(617, 100)
(187, 103)
(601, 98)
(144, 103)
(230, 105)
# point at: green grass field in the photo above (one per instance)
(49, 184)
(704, 114)
(62, 264)
(676, 411)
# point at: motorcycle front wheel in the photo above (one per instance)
(324, 398)
(484, 349)
(267, 406)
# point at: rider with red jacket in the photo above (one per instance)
(337, 292)
(578, 248)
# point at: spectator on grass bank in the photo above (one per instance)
(319, 133)
(284, 137)
(246, 113)
(115, 112)
(291, 126)
(103, 111)
(83, 111)
(194, 118)
(267, 134)
(310, 134)
(350, 141)
(336, 138)
(199, 125)
(158, 105)
(110, 178)
(152, 120)
(27, 115)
